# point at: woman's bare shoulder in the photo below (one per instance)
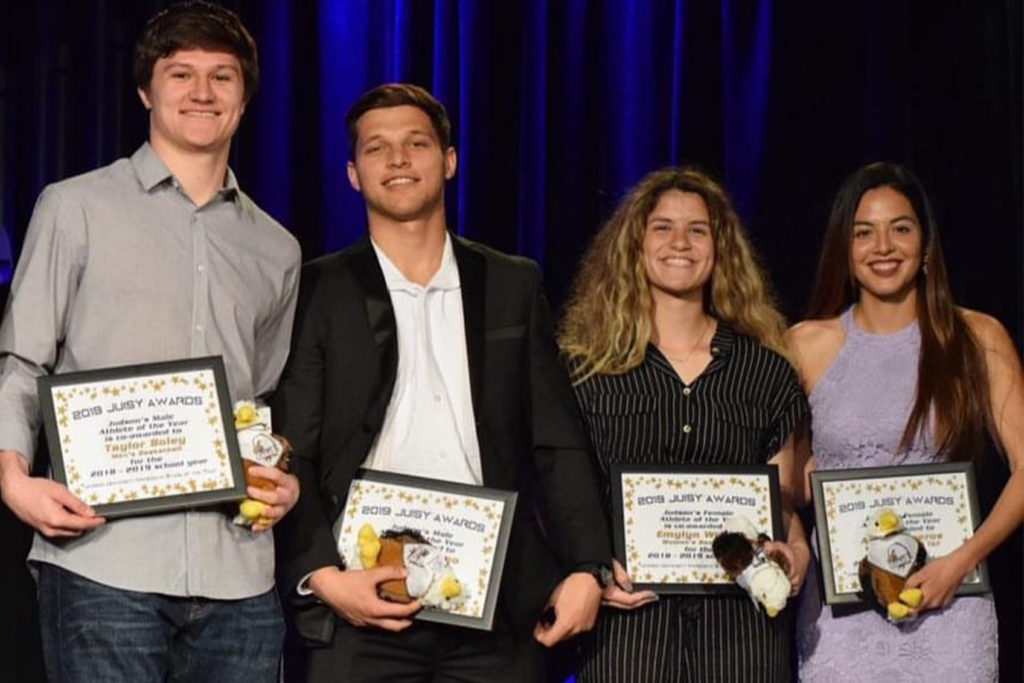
(986, 329)
(815, 331)
(813, 345)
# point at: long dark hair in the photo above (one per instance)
(952, 382)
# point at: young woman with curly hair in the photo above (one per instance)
(678, 357)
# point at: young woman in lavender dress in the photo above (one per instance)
(898, 375)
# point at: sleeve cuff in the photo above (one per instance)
(303, 587)
(16, 437)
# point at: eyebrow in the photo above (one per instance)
(415, 131)
(700, 221)
(190, 65)
(901, 217)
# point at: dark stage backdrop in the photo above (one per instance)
(560, 106)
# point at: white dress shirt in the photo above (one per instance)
(429, 429)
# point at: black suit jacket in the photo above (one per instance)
(333, 394)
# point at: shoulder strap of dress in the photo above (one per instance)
(846, 318)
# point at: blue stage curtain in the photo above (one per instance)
(559, 106)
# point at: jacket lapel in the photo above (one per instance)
(381, 318)
(473, 283)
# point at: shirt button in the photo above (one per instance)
(687, 429)
(199, 328)
(686, 391)
(201, 268)
(437, 397)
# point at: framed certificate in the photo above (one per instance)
(937, 503)
(144, 438)
(666, 517)
(467, 525)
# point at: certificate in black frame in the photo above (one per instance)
(508, 499)
(50, 385)
(765, 479)
(900, 478)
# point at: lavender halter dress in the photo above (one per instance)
(859, 408)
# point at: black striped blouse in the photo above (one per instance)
(739, 410)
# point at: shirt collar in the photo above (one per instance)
(230, 189)
(149, 167)
(722, 343)
(152, 171)
(446, 277)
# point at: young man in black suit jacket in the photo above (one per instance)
(359, 390)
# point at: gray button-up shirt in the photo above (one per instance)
(120, 267)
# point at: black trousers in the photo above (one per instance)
(426, 653)
(715, 639)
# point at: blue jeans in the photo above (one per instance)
(92, 632)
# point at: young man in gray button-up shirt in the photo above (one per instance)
(156, 257)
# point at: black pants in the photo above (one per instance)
(426, 653)
(720, 639)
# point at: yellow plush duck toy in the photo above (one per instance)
(273, 450)
(368, 543)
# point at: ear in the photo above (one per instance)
(451, 162)
(144, 96)
(353, 177)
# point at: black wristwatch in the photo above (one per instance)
(602, 573)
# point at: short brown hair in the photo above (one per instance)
(196, 24)
(397, 95)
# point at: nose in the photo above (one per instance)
(397, 158)
(883, 242)
(680, 238)
(201, 90)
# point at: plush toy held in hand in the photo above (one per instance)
(740, 551)
(893, 555)
(429, 578)
(259, 446)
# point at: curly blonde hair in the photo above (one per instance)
(608, 323)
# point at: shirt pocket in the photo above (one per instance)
(621, 405)
(625, 428)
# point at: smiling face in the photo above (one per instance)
(678, 248)
(886, 245)
(196, 100)
(400, 167)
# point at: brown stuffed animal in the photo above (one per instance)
(429, 578)
(739, 549)
(392, 553)
(893, 555)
